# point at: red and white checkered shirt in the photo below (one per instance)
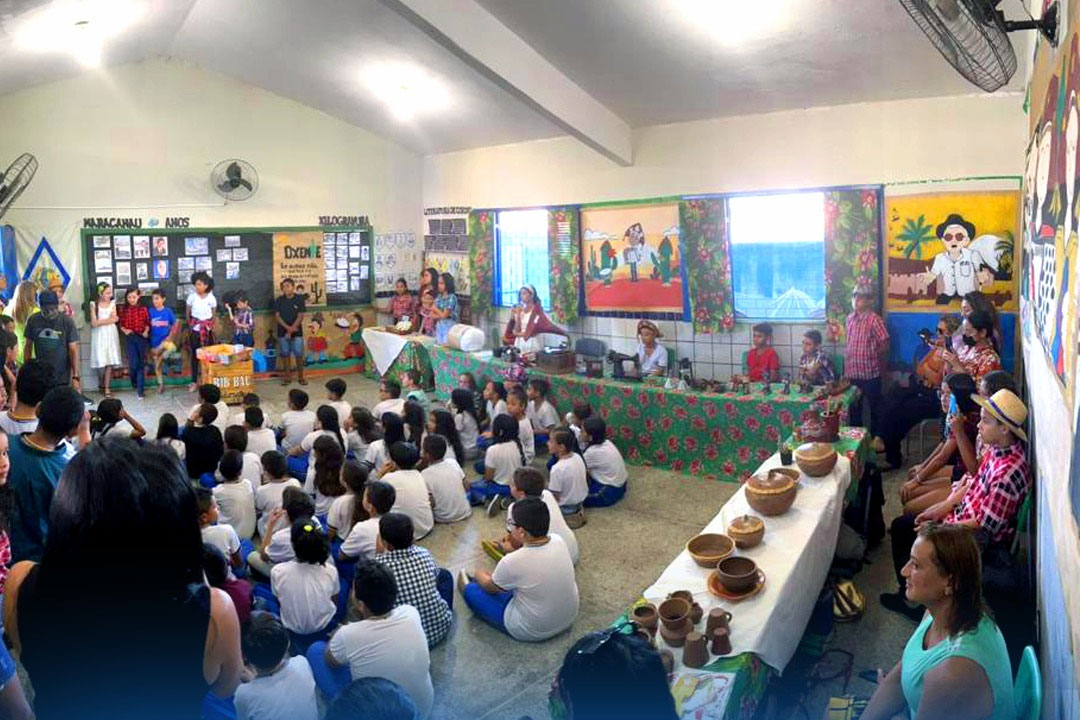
(993, 500)
(866, 338)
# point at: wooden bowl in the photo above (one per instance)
(815, 459)
(708, 549)
(774, 492)
(747, 531)
(737, 574)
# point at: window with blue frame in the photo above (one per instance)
(521, 256)
(778, 256)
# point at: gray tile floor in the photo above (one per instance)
(480, 673)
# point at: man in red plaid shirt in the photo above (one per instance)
(987, 502)
(867, 352)
(135, 327)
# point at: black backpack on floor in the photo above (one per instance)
(865, 513)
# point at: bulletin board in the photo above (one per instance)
(332, 266)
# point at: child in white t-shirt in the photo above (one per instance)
(250, 400)
(466, 424)
(378, 452)
(307, 587)
(412, 493)
(516, 403)
(283, 688)
(269, 495)
(276, 543)
(345, 508)
(568, 480)
(501, 459)
(297, 421)
(445, 481)
(607, 470)
(529, 482)
(335, 398)
(495, 401)
(540, 411)
(168, 434)
(580, 412)
(113, 420)
(236, 438)
(235, 496)
(261, 439)
(221, 536)
(532, 595)
(324, 476)
(379, 499)
(210, 394)
(360, 431)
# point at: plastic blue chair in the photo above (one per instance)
(1027, 690)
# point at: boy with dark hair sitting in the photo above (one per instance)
(261, 439)
(335, 398)
(410, 385)
(815, 365)
(276, 546)
(35, 378)
(362, 540)
(529, 482)
(387, 642)
(210, 394)
(390, 399)
(297, 421)
(532, 595)
(422, 584)
(250, 400)
(283, 687)
(203, 444)
(762, 362)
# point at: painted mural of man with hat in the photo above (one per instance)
(954, 270)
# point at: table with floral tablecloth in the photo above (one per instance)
(412, 356)
(715, 435)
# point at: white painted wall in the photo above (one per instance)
(844, 145)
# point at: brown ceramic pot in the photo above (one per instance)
(831, 421)
(696, 652)
(684, 594)
(718, 618)
(774, 492)
(645, 616)
(737, 574)
(815, 459)
(721, 641)
(747, 531)
(676, 637)
(674, 612)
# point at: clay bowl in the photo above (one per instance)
(774, 492)
(674, 612)
(815, 459)
(747, 531)
(710, 548)
(737, 574)
(645, 616)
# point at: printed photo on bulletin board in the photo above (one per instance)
(944, 245)
(631, 258)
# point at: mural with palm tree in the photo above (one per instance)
(1005, 247)
(915, 234)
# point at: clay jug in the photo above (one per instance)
(721, 641)
(831, 421)
(718, 618)
(696, 652)
(645, 616)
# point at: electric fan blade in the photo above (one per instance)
(245, 183)
(226, 187)
(233, 172)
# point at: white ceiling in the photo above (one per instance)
(644, 60)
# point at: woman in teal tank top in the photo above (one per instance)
(955, 665)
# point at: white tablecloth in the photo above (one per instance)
(795, 556)
(384, 347)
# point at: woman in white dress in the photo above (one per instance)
(104, 339)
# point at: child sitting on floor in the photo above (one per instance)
(168, 433)
(390, 399)
(235, 496)
(502, 458)
(203, 445)
(378, 452)
(579, 413)
(344, 509)
(412, 493)
(445, 481)
(467, 381)
(326, 425)
(378, 499)
(296, 422)
(414, 416)
(410, 385)
(529, 482)
(113, 419)
(249, 400)
(236, 438)
(532, 595)
(221, 536)
(275, 479)
(283, 687)
(441, 422)
(260, 439)
(276, 546)
(495, 401)
(467, 422)
(210, 394)
(604, 462)
(360, 431)
(324, 481)
(516, 403)
(335, 398)
(568, 481)
(762, 362)
(307, 586)
(216, 569)
(421, 583)
(540, 411)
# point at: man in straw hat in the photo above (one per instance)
(987, 501)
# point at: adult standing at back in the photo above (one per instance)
(22, 307)
(51, 336)
(289, 310)
(149, 637)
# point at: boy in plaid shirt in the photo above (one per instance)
(866, 354)
(420, 583)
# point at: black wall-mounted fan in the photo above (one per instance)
(234, 179)
(972, 36)
(16, 179)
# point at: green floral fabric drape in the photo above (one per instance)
(565, 253)
(481, 260)
(706, 255)
(852, 242)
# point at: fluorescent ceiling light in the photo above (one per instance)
(80, 28)
(736, 23)
(407, 90)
